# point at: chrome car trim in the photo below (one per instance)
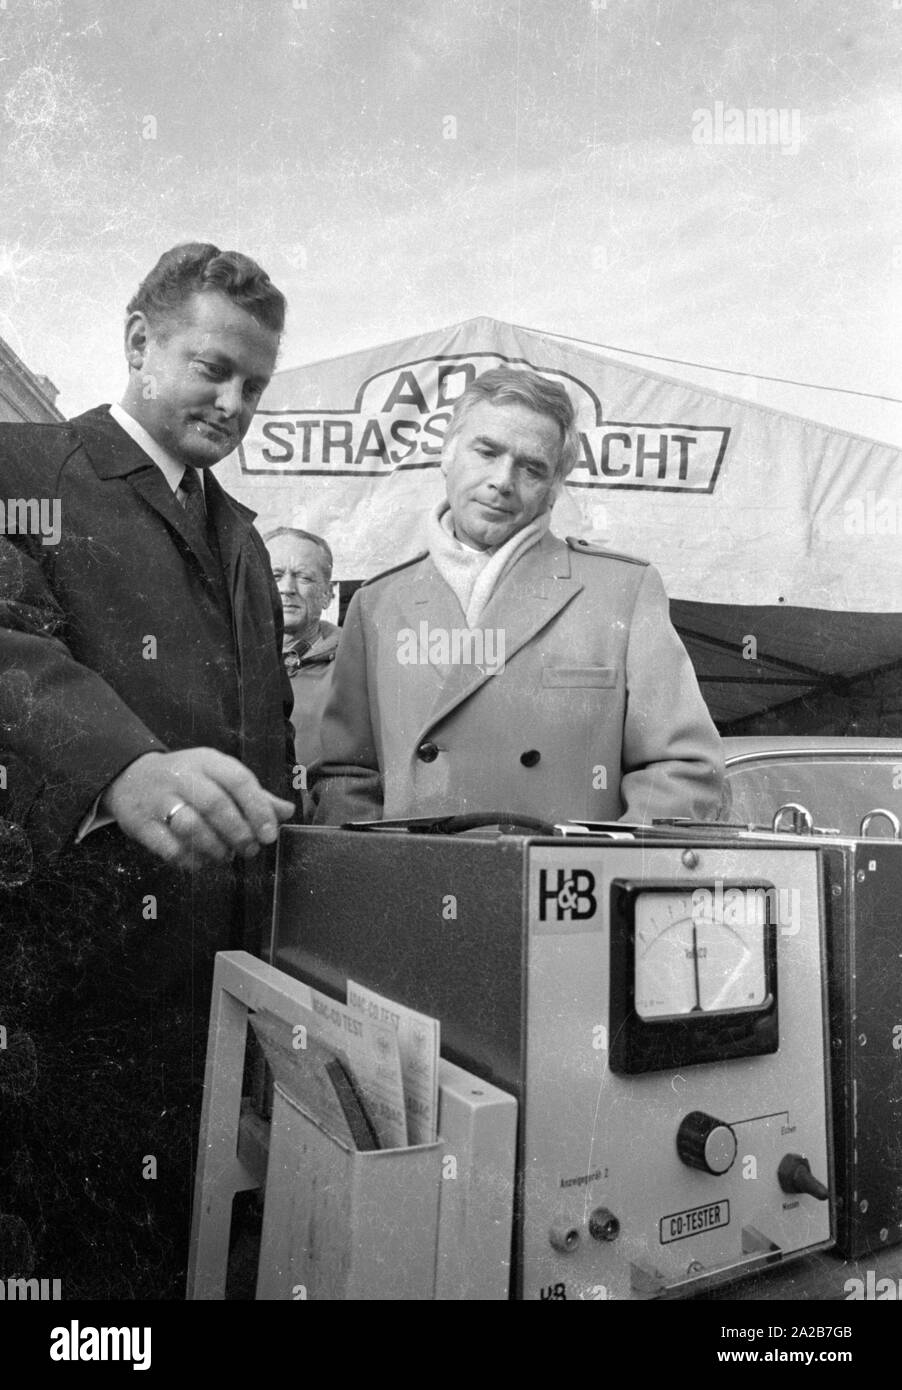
(780, 754)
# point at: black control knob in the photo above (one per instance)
(705, 1143)
(603, 1224)
(794, 1175)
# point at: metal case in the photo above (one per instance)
(864, 909)
(507, 939)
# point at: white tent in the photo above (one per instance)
(775, 535)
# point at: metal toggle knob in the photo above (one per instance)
(794, 1175)
(705, 1143)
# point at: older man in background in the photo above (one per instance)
(302, 568)
(507, 669)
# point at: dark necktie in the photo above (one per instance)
(192, 500)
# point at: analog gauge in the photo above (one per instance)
(665, 966)
(699, 952)
(693, 975)
(730, 945)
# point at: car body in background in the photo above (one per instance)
(838, 781)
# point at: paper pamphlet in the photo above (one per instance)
(418, 1044)
(368, 1049)
(371, 1051)
(299, 1063)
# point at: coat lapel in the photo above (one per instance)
(115, 454)
(232, 524)
(528, 598)
(429, 606)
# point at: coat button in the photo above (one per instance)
(530, 757)
(427, 752)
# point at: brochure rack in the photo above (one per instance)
(432, 1221)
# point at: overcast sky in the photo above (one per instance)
(401, 165)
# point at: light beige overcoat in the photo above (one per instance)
(593, 713)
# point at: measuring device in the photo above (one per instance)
(657, 1003)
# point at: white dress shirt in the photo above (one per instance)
(172, 470)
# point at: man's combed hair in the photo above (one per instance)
(521, 386)
(198, 266)
(303, 536)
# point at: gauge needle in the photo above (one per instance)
(697, 1005)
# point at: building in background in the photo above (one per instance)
(23, 394)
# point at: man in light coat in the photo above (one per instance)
(506, 669)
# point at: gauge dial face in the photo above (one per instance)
(700, 951)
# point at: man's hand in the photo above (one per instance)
(194, 807)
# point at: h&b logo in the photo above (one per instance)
(571, 896)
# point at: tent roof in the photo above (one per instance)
(576, 352)
(798, 655)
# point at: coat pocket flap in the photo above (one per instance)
(579, 675)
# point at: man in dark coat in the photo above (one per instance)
(145, 747)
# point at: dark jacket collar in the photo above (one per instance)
(114, 454)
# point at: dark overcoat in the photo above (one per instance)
(128, 634)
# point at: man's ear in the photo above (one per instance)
(137, 337)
